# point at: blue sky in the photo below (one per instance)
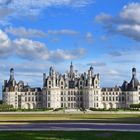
(37, 34)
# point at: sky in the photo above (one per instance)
(37, 34)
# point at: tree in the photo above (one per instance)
(0, 101)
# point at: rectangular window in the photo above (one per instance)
(113, 99)
(39, 99)
(96, 98)
(48, 104)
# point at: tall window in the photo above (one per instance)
(61, 83)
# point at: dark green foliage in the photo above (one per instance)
(5, 107)
(61, 135)
(135, 106)
(1, 101)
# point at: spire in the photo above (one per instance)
(71, 67)
(71, 71)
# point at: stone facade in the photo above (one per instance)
(71, 90)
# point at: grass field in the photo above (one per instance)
(61, 135)
(131, 118)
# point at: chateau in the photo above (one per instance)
(71, 90)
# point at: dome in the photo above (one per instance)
(133, 84)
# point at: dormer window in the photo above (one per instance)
(49, 82)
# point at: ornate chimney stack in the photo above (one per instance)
(44, 79)
(134, 72)
(11, 74)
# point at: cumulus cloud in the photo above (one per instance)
(127, 23)
(25, 33)
(30, 49)
(5, 44)
(60, 54)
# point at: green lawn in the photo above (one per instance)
(61, 135)
(131, 118)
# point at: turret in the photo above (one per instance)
(134, 81)
(50, 71)
(91, 69)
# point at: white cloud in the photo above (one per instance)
(131, 12)
(96, 64)
(89, 37)
(132, 31)
(127, 23)
(113, 72)
(25, 33)
(5, 44)
(60, 54)
(30, 49)
(34, 7)
(62, 32)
